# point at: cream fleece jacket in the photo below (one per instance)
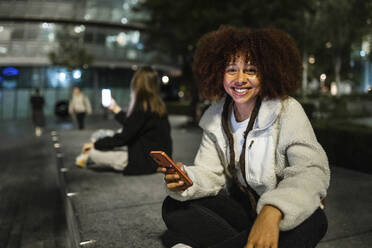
(284, 140)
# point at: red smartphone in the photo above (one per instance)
(163, 160)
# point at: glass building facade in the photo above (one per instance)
(110, 30)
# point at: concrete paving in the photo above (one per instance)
(31, 213)
(113, 210)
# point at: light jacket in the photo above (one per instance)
(79, 104)
(284, 140)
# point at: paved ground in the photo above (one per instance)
(31, 214)
(118, 211)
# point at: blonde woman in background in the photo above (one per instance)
(144, 128)
(79, 106)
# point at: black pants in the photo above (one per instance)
(225, 221)
(80, 119)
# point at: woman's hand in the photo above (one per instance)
(114, 107)
(265, 230)
(172, 179)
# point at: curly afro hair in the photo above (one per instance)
(271, 50)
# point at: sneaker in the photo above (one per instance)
(81, 160)
(181, 245)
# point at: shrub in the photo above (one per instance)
(347, 145)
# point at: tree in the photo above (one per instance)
(70, 52)
(174, 28)
(343, 23)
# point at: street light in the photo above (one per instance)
(165, 79)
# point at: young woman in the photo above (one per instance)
(259, 175)
(144, 128)
(79, 106)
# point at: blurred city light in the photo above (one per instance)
(51, 36)
(44, 25)
(362, 53)
(165, 79)
(62, 77)
(135, 37)
(323, 77)
(139, 46)
(311, 59)
(366, 45)
(79, 29)
(121, 39)
(333, 88)
(10, 71)
(328, 44)
(3, 50)
(124, 20)
(125, 6)
(76, 74)
(132, 54)
(181, 94)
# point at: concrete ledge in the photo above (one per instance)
(72, 225)
(107, 209)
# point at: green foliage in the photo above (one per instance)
(70, 52)
(175, 26)
(341, 24)
(326, 108)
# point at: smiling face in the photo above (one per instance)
(242, 83)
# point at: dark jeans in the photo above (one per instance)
(224, 221)
(80, 119)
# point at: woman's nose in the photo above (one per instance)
(241, 77)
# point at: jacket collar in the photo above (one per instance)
(268, 113)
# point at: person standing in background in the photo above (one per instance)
(79, 106)
(37, 104)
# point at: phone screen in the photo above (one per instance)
(106, 97)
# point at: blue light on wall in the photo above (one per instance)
(10, 71)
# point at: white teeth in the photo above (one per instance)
(240, 90)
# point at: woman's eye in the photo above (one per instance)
(250, 71)
(230, 70)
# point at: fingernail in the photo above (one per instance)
(180, 182)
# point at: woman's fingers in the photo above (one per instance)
(165, 170)
(171, 177)
(161, 170)
(176, 186)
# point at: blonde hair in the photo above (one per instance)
(145, 87)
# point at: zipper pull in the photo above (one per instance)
(250, 145)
